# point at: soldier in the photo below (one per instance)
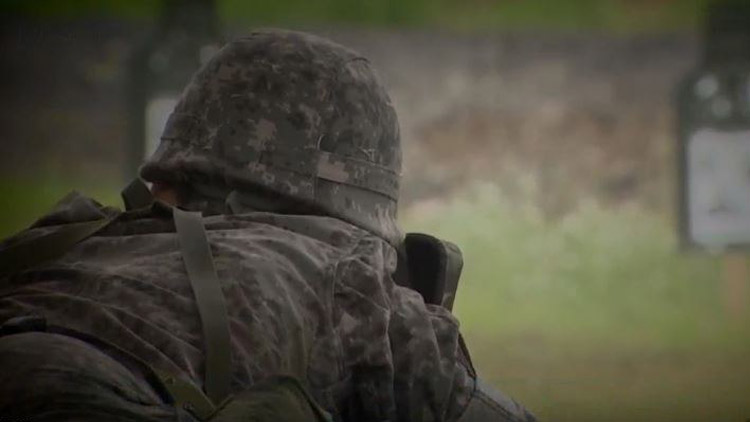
(289, 147)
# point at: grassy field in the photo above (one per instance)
(595, 317)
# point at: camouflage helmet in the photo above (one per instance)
(291, 113)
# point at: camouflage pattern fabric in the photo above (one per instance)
(294, 114)
(50, 377)
(307, 296)
(292, 145)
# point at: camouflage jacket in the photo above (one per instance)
(307, 296)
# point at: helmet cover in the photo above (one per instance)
(294, 114)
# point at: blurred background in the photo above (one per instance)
(541, 136)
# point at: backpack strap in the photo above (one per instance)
(196, 254)
(204, 282)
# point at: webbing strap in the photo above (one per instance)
(28, 253)
(186, 395)
(199, 264)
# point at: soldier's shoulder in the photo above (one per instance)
(75, 207)
(72, 208)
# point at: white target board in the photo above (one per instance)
(718, 188)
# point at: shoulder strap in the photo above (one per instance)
(26, 254)
(203, 280)
(209, 297)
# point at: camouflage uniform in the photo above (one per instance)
(290, 145)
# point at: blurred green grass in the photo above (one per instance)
(618, 15)
(595, 317)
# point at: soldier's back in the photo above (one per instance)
(128, 286)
